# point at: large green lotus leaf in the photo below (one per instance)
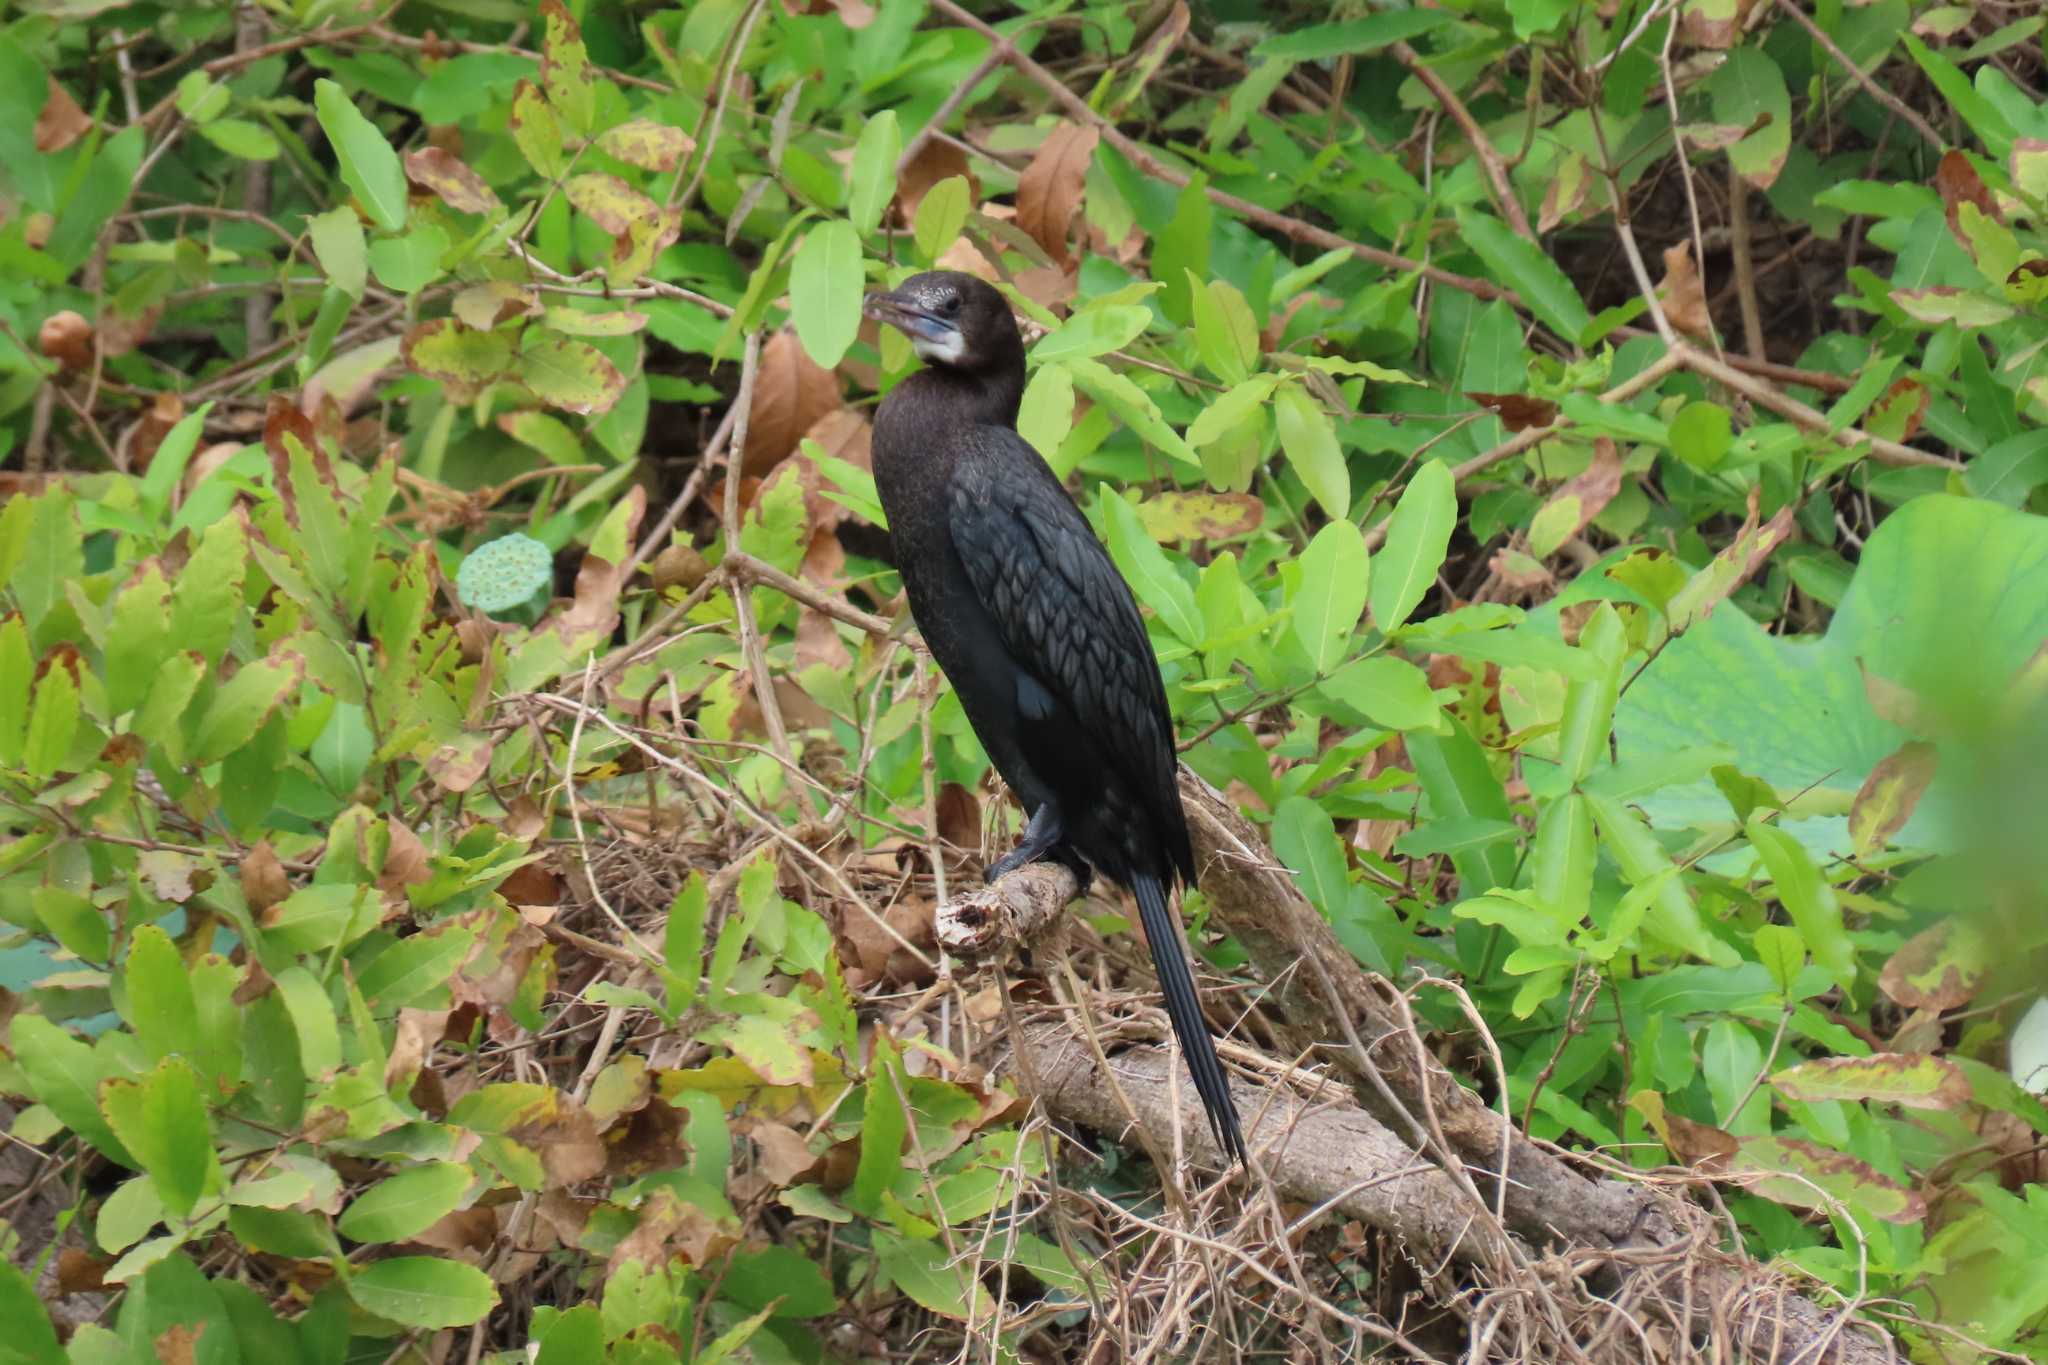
(1950, 599)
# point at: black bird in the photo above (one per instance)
(1037, 631)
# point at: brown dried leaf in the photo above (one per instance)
(483, 306)
(166, 410)
(66, 337)
(457, 765)
(783, 1157)
(178, 1344)
(473, 1231)
(413, 1042)
(959, 817)
(439, 173)
(791, 393)
(1684, 294)
(935, 161)
(1958, 183)
(170, 875)
(1051, 187)
(1592, 489)
(80, 1272)
(62, 122)
(263, 881)
(1517, 411)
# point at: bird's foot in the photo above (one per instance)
(1043, 834)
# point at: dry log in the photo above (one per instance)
(1417, 1157)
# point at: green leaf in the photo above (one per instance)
(1523, 267)
(1418, 538)
(872, 179)
(1226, 334)
(242, 139)
(423, 1291)
(75, 922)
(1915, 1081)
(1809, 900)
(1748, 91)
(244, 702)
(17, 680)
(369, 167)
(683, 942)
(160, 1006)
(1322, 42)
(1588, 717)
(1132, 405)
(1331, 594)
(1389, 691)
(825, 284)
(138, 636)
(52, 722)
(201, 98)
(402, 1206)
(928, 1274)
(409, 263)
(1305, 838)
(1151, 576)
(64, 1074)
(1180, 250)
(412, 967)
(1093, 332)
(206, 602)
(940, 216)
(1310, 442)
(446, 350)
(316, 918)
(338, 245)
(162, 1119)
(883, 1127)
(1701, 434)
(30, 1339)
(1232, 409)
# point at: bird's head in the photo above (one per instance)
(953, 320)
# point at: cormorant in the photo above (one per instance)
(1040, 636)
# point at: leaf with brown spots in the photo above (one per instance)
(1052, 185)
(62, 122)
(1806, 1175)
(1517, 411)
(439, 173)
(1958, 183)
(1887, 799)
(1898, 414)
(649, 145)
(1940, 968)
(1911, 1082)
(1199, 515)
(1576, 501)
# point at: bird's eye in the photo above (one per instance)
(950, 305)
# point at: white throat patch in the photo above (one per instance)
(946, 351)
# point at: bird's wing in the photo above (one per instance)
(1068, 619)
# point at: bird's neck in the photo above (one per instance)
(962, 398)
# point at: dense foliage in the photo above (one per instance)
(472, 817)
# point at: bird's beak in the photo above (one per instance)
(906, 316)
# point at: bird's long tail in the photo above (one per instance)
(1183, 1007)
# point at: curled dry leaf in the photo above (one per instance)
(62, 122)
(66, 337)
(1051, 187)
(1517, 411)
(262, 874)
(166, 410)
(1684, 294)
(1889, 796)
(442, 174)
(791, 393)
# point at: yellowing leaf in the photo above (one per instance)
(570, 374)
(465, 360)
(649, 145)
(437, 170)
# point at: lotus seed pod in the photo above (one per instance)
(504, 573)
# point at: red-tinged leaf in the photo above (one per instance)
(611, 203)
(282, 419)
(649, 145)
(1897, 416)
(466, 361)
(1940, 968)
(1958, 183)
(1730, 569)
(1889, 795)
(1910, 1081)
(570, 374)
(436, 170)
(1806, 1175)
